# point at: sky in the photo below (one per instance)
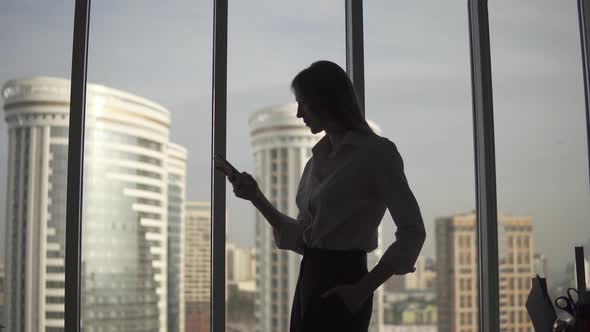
(418, 90)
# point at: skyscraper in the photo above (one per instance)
(124, 233)
(282, 146)
(241, 267)
(176, 165)
(457, 272)
(456, 259)
(516, 268)
(197, 265)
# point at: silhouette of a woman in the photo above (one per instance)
(353, 176)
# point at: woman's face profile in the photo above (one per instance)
(309, 116)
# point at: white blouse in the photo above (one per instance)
(343, 210)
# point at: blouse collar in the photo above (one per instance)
(352, 137)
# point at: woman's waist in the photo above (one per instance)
(321, 251)
(340, 243)
(343, 237)
(335, 266)
(336, 256)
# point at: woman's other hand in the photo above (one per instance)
(245, 186)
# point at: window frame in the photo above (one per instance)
(584, 21)
(485, 166)
(483, 129)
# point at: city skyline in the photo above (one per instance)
(533, 79)
(421, 98)
(387, 216)
(457, 269)
(277, 153)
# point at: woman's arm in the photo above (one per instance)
(246, 187)
(274, 217)
(401, 255)
(393, 187)
(288, 232)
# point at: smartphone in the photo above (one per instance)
(226, 167)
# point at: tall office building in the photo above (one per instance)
(281, 146)
(457, 272)
(241, 267)
(176, 166)
(124, 247)
(516, 267)
(197, 265)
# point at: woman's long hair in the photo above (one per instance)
(327, 88)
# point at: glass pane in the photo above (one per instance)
(265, 52)
(541, 151)
(418, 90)
(35, 66)
(145, 256)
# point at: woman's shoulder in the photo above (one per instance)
(384, 152)
(382, 144)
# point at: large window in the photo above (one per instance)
(34, 72)
(267, 140)
(417, 80)
(541, 151)
(146, 258)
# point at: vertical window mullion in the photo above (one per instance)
(584, 21)
(75, 166)
(219, 124)
(355, 62)
(485, 172)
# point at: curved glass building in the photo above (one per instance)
(125, 212)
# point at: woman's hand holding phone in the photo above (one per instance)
(244, 184)
(225, 167)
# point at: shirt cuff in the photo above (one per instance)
(399, 258)
(289, 236)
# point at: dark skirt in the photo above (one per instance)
(320, 270)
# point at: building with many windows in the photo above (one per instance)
(197, 265)
(176, 165)
(516, 264)
(241, 267)
(124, 247)
(457, 269)
(281, 146)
